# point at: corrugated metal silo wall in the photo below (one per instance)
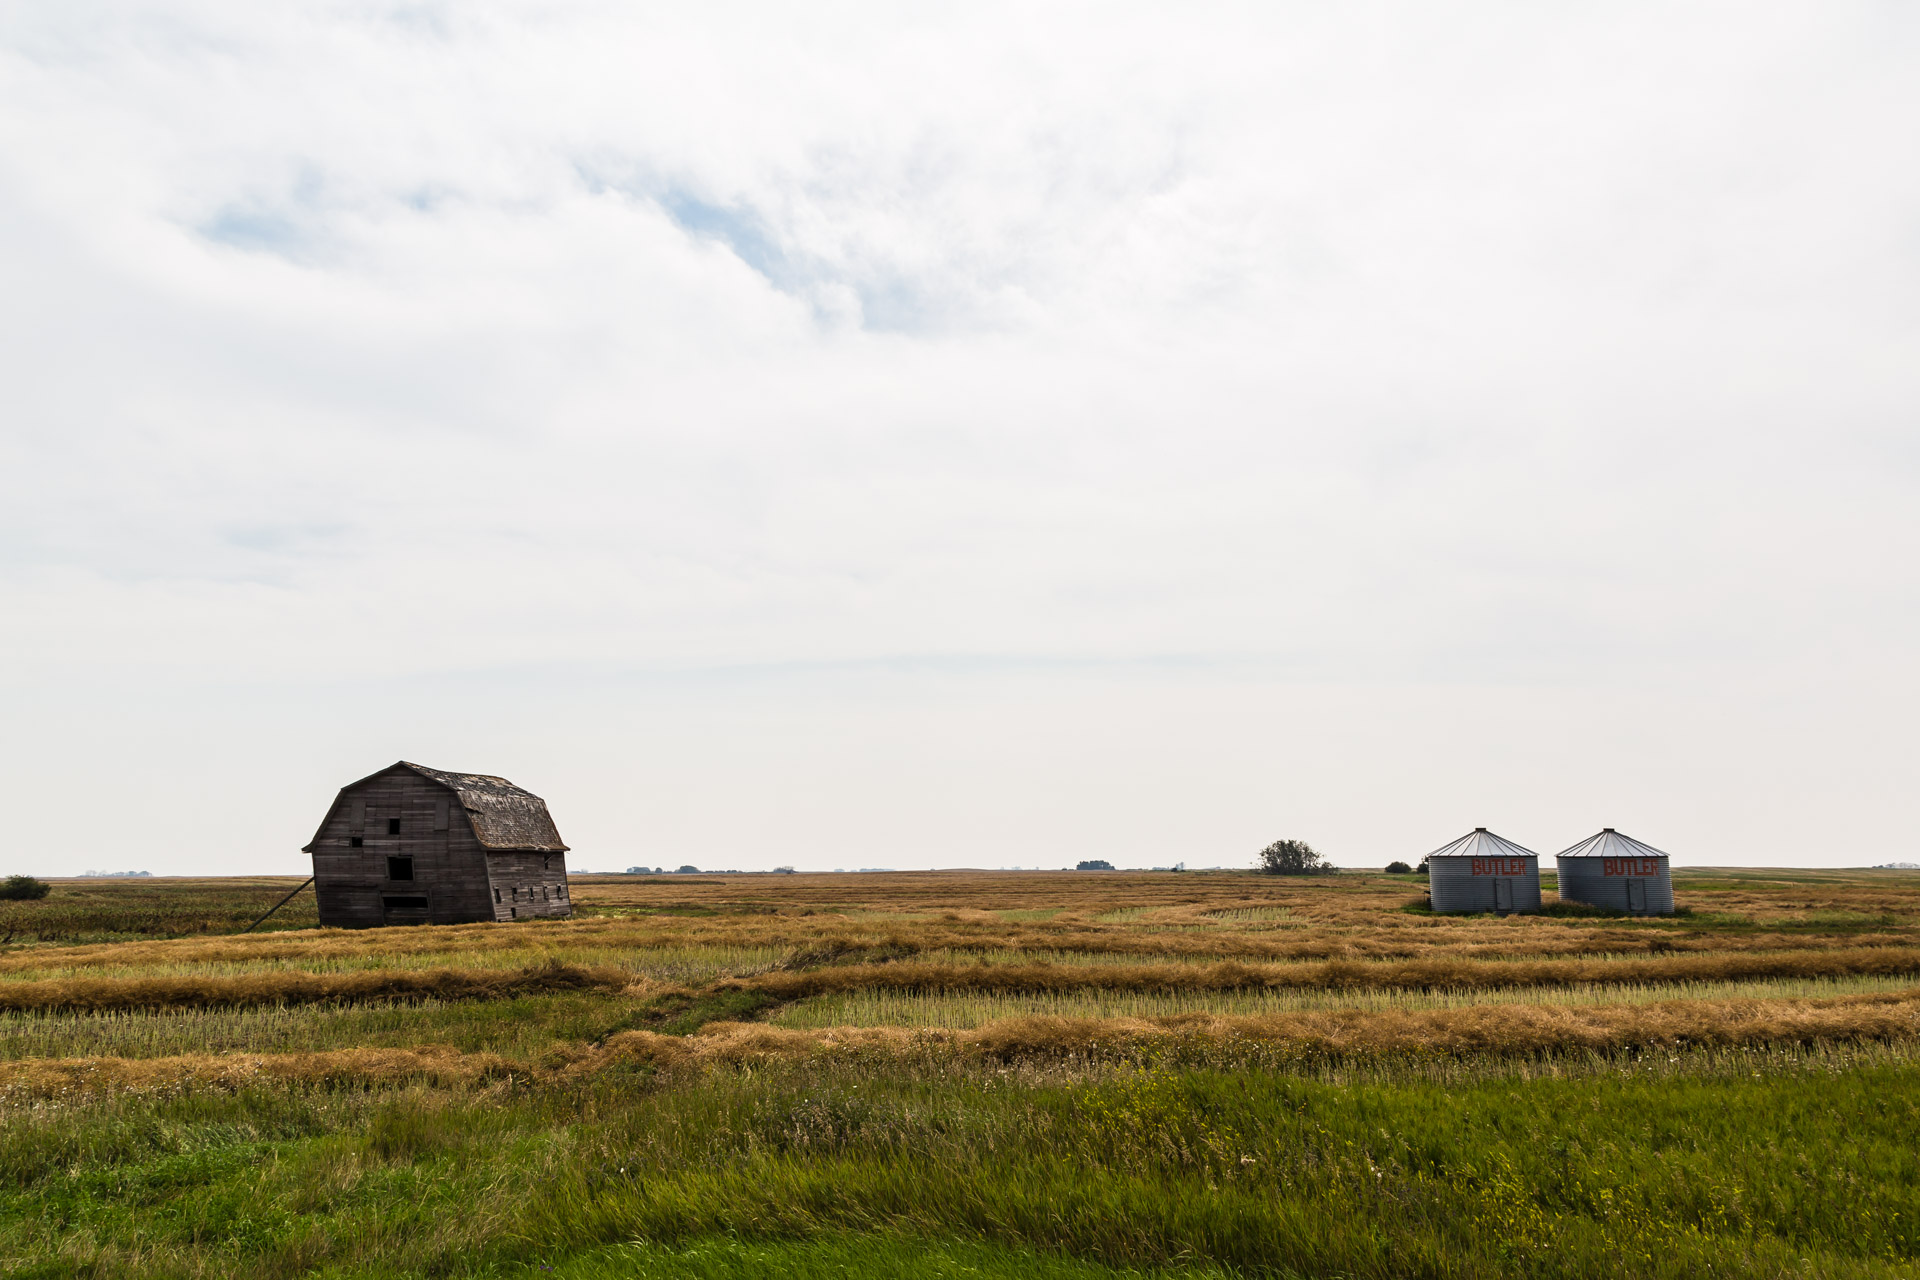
(1602, 882)
(1467, 884)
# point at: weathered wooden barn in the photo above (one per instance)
(413, 845)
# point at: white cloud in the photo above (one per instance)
(1566, 355)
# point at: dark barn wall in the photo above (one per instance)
(449, 866)
(529, 885)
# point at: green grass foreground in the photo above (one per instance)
(1676, 1165)
(836, 1257)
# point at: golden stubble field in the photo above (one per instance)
(669, 971)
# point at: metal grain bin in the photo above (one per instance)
(1617, 872)
(1482, 872)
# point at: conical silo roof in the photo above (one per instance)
(1611, 844)
(1482, 843)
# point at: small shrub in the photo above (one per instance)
(1399, 869)
(24, 888)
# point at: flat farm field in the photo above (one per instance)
(1013, 1074)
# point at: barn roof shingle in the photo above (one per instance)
(505, 817)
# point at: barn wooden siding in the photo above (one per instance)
(529, 885)
(408, 812)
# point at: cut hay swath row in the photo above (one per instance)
(1378, 936)
(289, 988)
(1408, 975)
(1489, 1031)
(527, 1027)
(694, 964)
(884, 1007)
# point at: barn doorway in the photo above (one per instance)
(404, 909)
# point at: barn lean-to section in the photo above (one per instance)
(413, 845)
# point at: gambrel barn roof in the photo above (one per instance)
(505, 817)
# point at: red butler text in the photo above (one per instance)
(1501, 867)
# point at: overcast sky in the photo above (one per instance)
(858, 435)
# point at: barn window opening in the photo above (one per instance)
(399, 868)
(393, 826)
(496, 895)
(355, 842)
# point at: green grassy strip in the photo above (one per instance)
(517, 1027)
(1731, 1164)
(1267, 1173)
(292, 988)
(836, 1257)
(80, 911)
(523, 1026)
